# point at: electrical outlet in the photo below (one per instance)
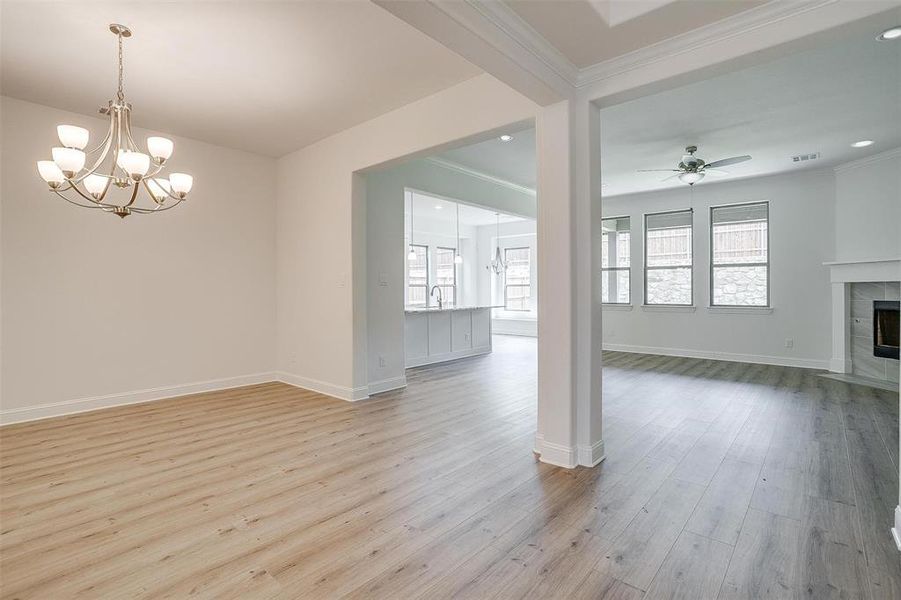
(789, 343)
(382, 362)
(466, 336)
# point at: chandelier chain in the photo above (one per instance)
(120, 94)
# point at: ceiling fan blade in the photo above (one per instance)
(715, 171)
(658, 171)
(728, 161)
(674, 175)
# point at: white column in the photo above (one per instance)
(569, 258)
(841, 325)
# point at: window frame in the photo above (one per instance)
(407, 299)
(769, 302)
(453, 252)
(629, 268)
(518, 285)
(690, 267)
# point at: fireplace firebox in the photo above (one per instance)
(886, 328)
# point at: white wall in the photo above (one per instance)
(386, 252)
(801, 225)
(99, 311)
(868, 208)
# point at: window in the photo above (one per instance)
(739, 257)
(446, 274)
(518, 279)
(615, 260)
(668, 258)
(418, 276)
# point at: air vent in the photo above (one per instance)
(806, 157)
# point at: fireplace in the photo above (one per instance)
(886, 328)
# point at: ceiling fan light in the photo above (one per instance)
(95, 184)
(69, 160)
(71, 136)
(691, 177)
(51, 173)
(160, 148)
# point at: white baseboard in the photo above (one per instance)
(591, 456)
(323, 387)
(386, 385)
(524, 327)
(557, 454)
(804, 363)
(80, 405)
(896, 530)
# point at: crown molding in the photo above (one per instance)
(740, 24)
(517, 29)
(868, 160)
(452, 166)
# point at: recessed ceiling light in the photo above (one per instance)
(892, 33)
(862, 144)
(438, 207)
(506, 138)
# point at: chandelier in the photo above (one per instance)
(498, 265)
(128, 168)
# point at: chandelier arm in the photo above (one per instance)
(85, 196)
(99, 161)
(134, 146)
(159, 208)
(106, 138)
(134, 194)
(94, 205)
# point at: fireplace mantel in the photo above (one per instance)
(859, 271)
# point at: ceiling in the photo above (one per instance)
(592, 31)
(773, 111)
(512, 161)
(444, 211)
(268, 77)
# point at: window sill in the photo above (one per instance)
(741, 310)
(610, 306)
(668, 308)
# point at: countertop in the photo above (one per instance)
(428, 309)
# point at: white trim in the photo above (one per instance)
(864, 270)
(804, 363)
(92, 403)
(386, 385)
(323, 387)
(557, 454)
(451, 165)
(518, 29)
(866, 160)
(591, 456)
(507, 326)
(446, 356)
(740, 310)
(840, 365)
(615, 306)
(896, 530)
(668, 308)
(743, 23)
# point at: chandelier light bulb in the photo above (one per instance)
(95, 184)
(412, 254)
(160, 148)
(181, 183)
(159, 188)
(458, 260)
(69, 160)
(136, 164)
(71, 136)
(51, 173)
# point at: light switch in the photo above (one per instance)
(383, 279)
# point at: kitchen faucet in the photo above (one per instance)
(440, 299)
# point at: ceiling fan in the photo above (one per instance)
(692, 169)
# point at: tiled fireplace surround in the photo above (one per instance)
(855, 285)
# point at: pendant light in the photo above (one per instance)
(498, 265)
(458, 260)
(411, 256)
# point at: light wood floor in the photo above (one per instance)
(721, 480)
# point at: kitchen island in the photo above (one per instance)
(433, 334)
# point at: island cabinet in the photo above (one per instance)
(433, 335)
